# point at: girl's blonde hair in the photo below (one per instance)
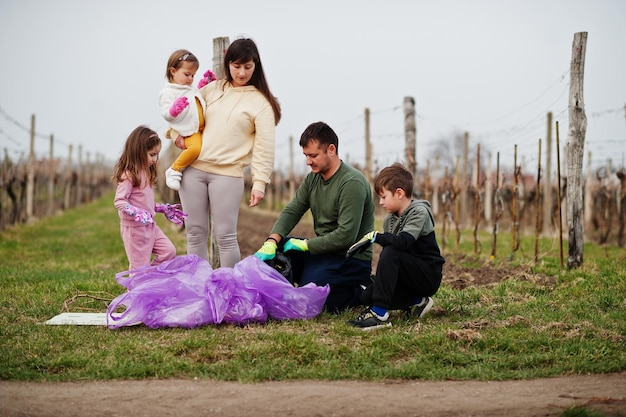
(134, 159)
(176, 60)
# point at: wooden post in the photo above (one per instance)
(514, 222)
(487, 204)
(51, 175)
(477, 200)
(30, 173)
(292, 176)
(464, 183)
(575, 149)
(497, 209)
(219, 50)
(410, 135)
(537, 206)
(457, 208)
(68, 180)
(547, 180)
(558, 193)
(368, 149)
(79, 177)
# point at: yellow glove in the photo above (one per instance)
(296, 244)
(362, 244)
(267, 251)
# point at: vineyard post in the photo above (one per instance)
(410, 135)
(514, 237)
(219, 50)
(496, 205)
(446, 209)
(558, 194)
(79, 176)
(292, 176)
(457, 191)
(537, 206)
(368, 149)
(547, 179)
(30, 171)
(464, 183)
(575, 148)
(477, 200)
(51, 177)
(68, 180)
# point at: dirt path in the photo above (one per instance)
(541, 397)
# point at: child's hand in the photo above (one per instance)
(362, 244)
(139, 215)
(172, 212)
(207, 77)
(178, 106)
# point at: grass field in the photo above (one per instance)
(513, 329)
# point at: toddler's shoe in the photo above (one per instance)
(172, 178)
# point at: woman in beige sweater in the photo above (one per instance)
(240, 119)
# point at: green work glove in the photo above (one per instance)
(362, 244)
(296, 244)
(267, 251)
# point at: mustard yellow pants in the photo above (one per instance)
(193, 144)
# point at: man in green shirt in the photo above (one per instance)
(341, 204)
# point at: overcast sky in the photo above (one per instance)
(90, 71)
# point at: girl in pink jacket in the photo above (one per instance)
(135, 174)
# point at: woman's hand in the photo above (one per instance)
(256, 197)
(180, 142)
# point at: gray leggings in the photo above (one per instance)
(202, 194)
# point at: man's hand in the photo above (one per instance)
(301, 245)
(362, 244)
(267, 251)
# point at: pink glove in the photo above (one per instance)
(139, 215)
(178, 106)
(208, 77)
(172, 212)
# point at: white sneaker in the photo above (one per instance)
(172, 179)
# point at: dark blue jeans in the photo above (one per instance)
(345, 277)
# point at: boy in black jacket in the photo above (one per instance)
(410, 265)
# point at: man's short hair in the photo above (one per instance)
(320, 132)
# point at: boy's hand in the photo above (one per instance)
(301, 245)
(362, 244)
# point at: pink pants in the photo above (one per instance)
(140, 242)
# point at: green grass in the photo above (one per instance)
(514, 329)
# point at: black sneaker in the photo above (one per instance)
(368, 320)
(419, 310)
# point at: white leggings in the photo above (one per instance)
(203, 194)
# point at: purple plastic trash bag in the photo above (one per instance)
(282, 300)
(187, 292)
(172, 294)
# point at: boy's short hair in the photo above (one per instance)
(393, 177)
